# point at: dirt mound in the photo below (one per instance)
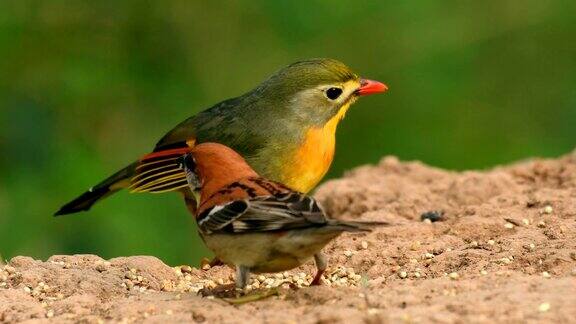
(504, 249)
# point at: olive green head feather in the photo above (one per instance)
(298, 96)
(312, 91)
(309, 74)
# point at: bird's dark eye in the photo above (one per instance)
(333, 93)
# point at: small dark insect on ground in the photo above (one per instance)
(433, 216)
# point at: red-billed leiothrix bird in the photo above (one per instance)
(285, 128)
(256, 224)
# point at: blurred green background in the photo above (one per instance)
(88, 86)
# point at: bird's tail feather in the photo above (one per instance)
(156, 172)
(357, 226)
(115, 182)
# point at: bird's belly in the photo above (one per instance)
(267, 252)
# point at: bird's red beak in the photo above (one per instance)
(368, 87)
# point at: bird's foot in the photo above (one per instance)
(235, 296)
(317, 278)
(221, 291)
(253, 296)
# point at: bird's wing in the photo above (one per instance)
(160, 172)
(211, 125)
(279, 212)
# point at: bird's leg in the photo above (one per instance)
(235, 294)
(321, 264)
(242, 276)
(230, 290)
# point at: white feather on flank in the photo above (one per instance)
(214, 209)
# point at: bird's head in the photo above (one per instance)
(316, 90)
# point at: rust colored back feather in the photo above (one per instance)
(226, 176)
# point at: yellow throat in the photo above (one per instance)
(313, 157)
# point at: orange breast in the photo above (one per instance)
(313, 157)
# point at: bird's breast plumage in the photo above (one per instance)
(312, 157)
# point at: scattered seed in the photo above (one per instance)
(541, 224)
(348, 253)
(364, 245)
(483, 272)
(509, 225)
(403, 274)
(373, 311)
(169, 312)
(453, 275)
(491, 242)
(547, 210)
(432, 216)
(544, 307)
(415, 245)
(505, 260)
(546, 274)
(50, 314)
(526, 221)
(187, 269)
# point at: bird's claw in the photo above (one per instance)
(221, 291)
(317, 279)
(253, 296)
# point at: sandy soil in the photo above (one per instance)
(504, 250)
